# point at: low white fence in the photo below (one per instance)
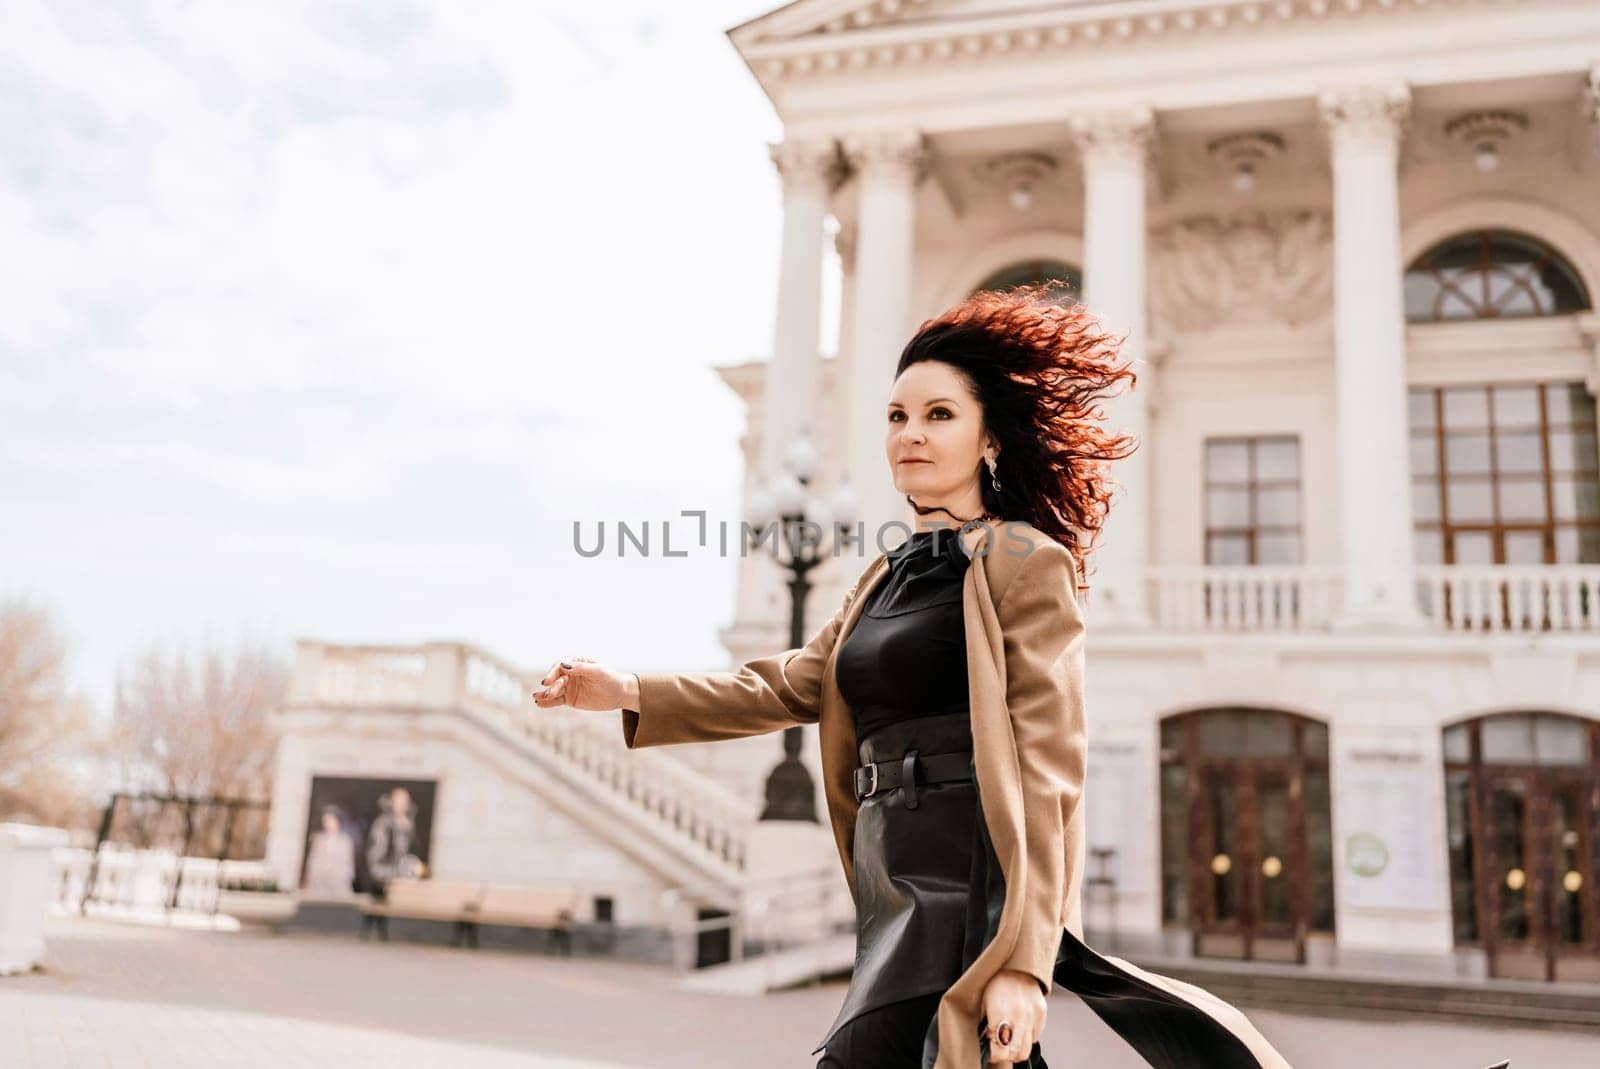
(128, 880)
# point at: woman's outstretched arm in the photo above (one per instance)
(766, 694)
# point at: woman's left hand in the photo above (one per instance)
(1013, 997)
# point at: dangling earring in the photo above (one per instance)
(994, 481)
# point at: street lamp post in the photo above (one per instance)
(808, 528)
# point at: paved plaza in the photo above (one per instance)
(117, 994)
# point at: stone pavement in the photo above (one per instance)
(117, 994)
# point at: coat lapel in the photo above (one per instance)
(836, 731)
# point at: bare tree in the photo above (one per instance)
(44, 728)
(195, 725)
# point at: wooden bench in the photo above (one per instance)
(436, 900)
(550, 908)
(469, 903)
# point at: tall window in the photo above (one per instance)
(1505, 474)
(1253, 500)
(1491, 274)
(1025, 272)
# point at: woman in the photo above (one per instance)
(948, 694)
(330, 859)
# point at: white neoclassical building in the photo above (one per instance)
(1344, 650)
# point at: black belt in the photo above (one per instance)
(913, 768)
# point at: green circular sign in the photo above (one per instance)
(1365, 854)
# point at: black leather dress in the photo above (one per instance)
(903, 671)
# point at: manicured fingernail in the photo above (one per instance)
(566, 664)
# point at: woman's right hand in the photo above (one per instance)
(583, 683)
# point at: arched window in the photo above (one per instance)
(1491, 274)
(1246, 831)
(1029, 271)
(1522, 800)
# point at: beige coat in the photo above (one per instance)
(1025, 637)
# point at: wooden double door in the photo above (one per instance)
(1248, 892)
(1536, 879)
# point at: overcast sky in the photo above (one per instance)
(327, 319)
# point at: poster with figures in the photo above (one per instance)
(363, 832)
(1390, 857)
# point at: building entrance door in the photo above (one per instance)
(1248, 861)
(1246, 835)
(1523, 805)
(1539, 846)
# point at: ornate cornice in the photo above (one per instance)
(870, 37)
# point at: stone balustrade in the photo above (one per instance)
(1509, 598)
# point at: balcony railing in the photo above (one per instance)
(1243, 598)
(1483, 598)
(1527, 598)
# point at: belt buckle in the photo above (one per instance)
(873, 789)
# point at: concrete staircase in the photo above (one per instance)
(678, 823)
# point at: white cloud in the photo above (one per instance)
(305, 301)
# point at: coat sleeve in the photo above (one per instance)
(1043, 633)
(766, 694)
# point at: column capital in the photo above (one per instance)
(1122, 136)
(808, 165)
(1365, 113)
(898, 156)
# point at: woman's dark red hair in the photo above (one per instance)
(1038, 365)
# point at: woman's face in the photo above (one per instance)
(935, 437)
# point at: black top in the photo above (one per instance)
(906, 656)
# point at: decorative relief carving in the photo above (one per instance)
(1250, 268)
(1015, 177)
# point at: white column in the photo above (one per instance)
(794, 372)
(888, 166)
(1114, 148)
(1364, 125)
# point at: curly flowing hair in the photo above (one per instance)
(1038, 367)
